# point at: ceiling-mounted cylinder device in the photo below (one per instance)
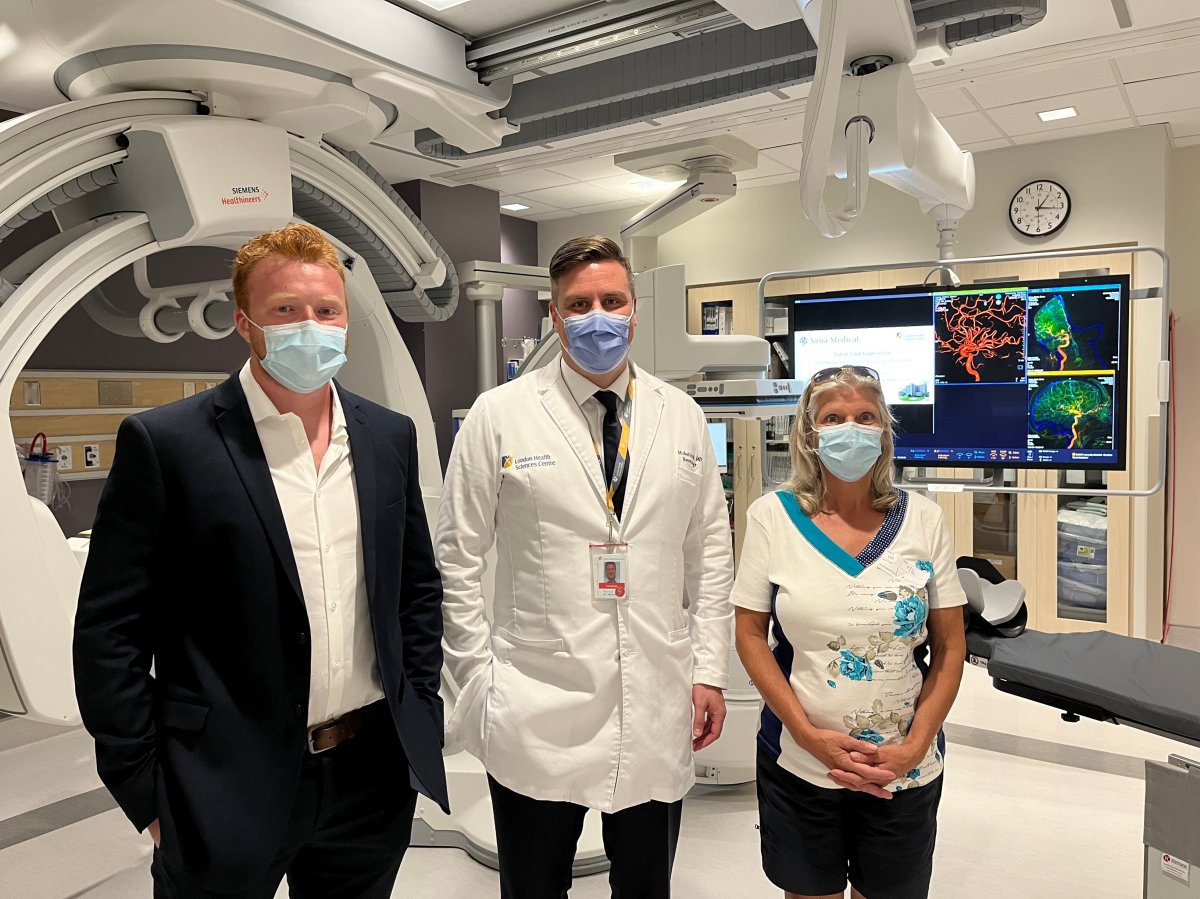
(910, 149)
(871, 123)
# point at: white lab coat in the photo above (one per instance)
(564, 697)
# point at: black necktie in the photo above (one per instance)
(612, 440)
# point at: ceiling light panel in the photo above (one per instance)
(1054, 115)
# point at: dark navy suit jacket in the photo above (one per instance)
(190, 569)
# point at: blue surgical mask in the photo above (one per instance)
(303, 356)
(598, 341)
(849, 450)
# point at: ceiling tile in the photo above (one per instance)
(550, 216)
(971, 127)
(1164, 94)
(588, 169)
(623, 185)
(774, 133)
(947, 101)
(1181, 58)
(526, 180)
(984, 145)
(791, 155)
(1187, 141)
(766, 180)
(573, 196)
(768, 167)
(1035, 82)
(1190, 128)
(1075, 131)
(609, 207)
(1093, 106)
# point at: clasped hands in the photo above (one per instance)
(861, 765)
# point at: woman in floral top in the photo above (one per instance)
(845, 584)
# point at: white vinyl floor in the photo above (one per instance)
(1032, 807)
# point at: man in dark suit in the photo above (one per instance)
(264, 546)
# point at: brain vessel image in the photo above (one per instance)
(1068, 346)
(980, 338)
(1071, 413)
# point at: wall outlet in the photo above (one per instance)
(65, 461)
(209, 385)
(91, 455)
(189, 389)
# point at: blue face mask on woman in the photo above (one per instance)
(598, 341)
(303, 356)
(849, 450)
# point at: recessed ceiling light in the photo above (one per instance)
(1053, 115)
(514, 207)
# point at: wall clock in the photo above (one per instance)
(1040, 208)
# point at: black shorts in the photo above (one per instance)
(814, 839)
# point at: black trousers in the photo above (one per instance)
(537, 841)
(348, 830)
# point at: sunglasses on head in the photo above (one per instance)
(828, 374)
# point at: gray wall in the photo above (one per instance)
(521, 310)
(466, 222)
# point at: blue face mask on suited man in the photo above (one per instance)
(303, 356)
(849, 450)
(598, 341)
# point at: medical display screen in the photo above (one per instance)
(1027, 375)
(720, 442)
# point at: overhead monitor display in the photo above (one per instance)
(1023, 375)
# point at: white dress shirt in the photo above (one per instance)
(584, 393)
(320, 509)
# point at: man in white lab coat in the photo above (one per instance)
(585, 689)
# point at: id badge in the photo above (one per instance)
(610, 570)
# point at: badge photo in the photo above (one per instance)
(610, 576)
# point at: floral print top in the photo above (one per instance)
(848, 632)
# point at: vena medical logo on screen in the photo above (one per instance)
(903, 355)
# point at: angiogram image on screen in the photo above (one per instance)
(980, 338)
(1024, 374)
(1073, 331)
(1070, 413)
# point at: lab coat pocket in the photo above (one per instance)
(679, 635)
(690, 476)
(554, 644)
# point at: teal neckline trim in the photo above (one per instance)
(818, 538)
